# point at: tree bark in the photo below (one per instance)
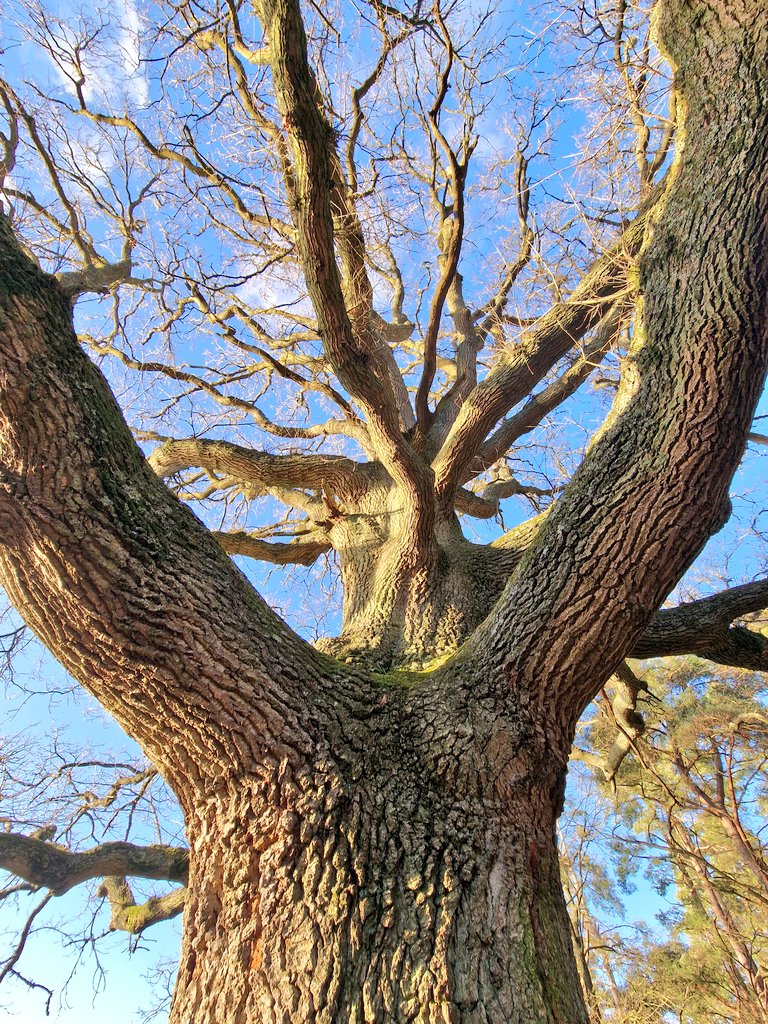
(361, 847)
(408, 620)
(414, 878)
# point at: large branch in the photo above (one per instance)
(331, 473)
(521, 537)
(302, 551)
(101, 277)
(49, 866)
(351, 350)
(654, 485)
(552, 337)
(705, 628)
(115, 575)
(550, 397)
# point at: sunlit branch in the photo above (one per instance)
(97, 273)
(328, 427)
(553, 335)
(519, 538)
(550, 397)
(352, 354)
(485, 502)
(201, 168)
(332, 473)
(302, 551)
(128, 916)
(628, 721)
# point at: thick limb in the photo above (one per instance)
(550, 338)
(53, 867)
(349, 340)
(112, 572)
(654, 485)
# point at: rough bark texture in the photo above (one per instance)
(394, 833)
(409, 880)
(372, 846)
(408, 620)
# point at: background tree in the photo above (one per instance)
(386, 815)
(688, 806)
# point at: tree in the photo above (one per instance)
(702, 788)
(691, 817)
(371, 826)
(612, 954)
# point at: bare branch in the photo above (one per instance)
(451, 233)
(302, 551)
(705, 628)
(99, 278)
(351, 350)
(141, 524)
(13, 959)
(548, 399)
(553, 335)
(627, 719)
(128, 916)
(261, 470)
(53, 867)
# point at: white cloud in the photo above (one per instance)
(137, 83)
(111, 65)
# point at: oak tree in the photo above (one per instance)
(370, 820)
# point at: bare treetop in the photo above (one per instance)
(167, 171)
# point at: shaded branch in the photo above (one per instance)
(9, 965)
(451, 233)
(705, 628)
(49, 866)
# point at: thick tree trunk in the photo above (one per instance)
(397, 615)
(361, 848)
(419, 882)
